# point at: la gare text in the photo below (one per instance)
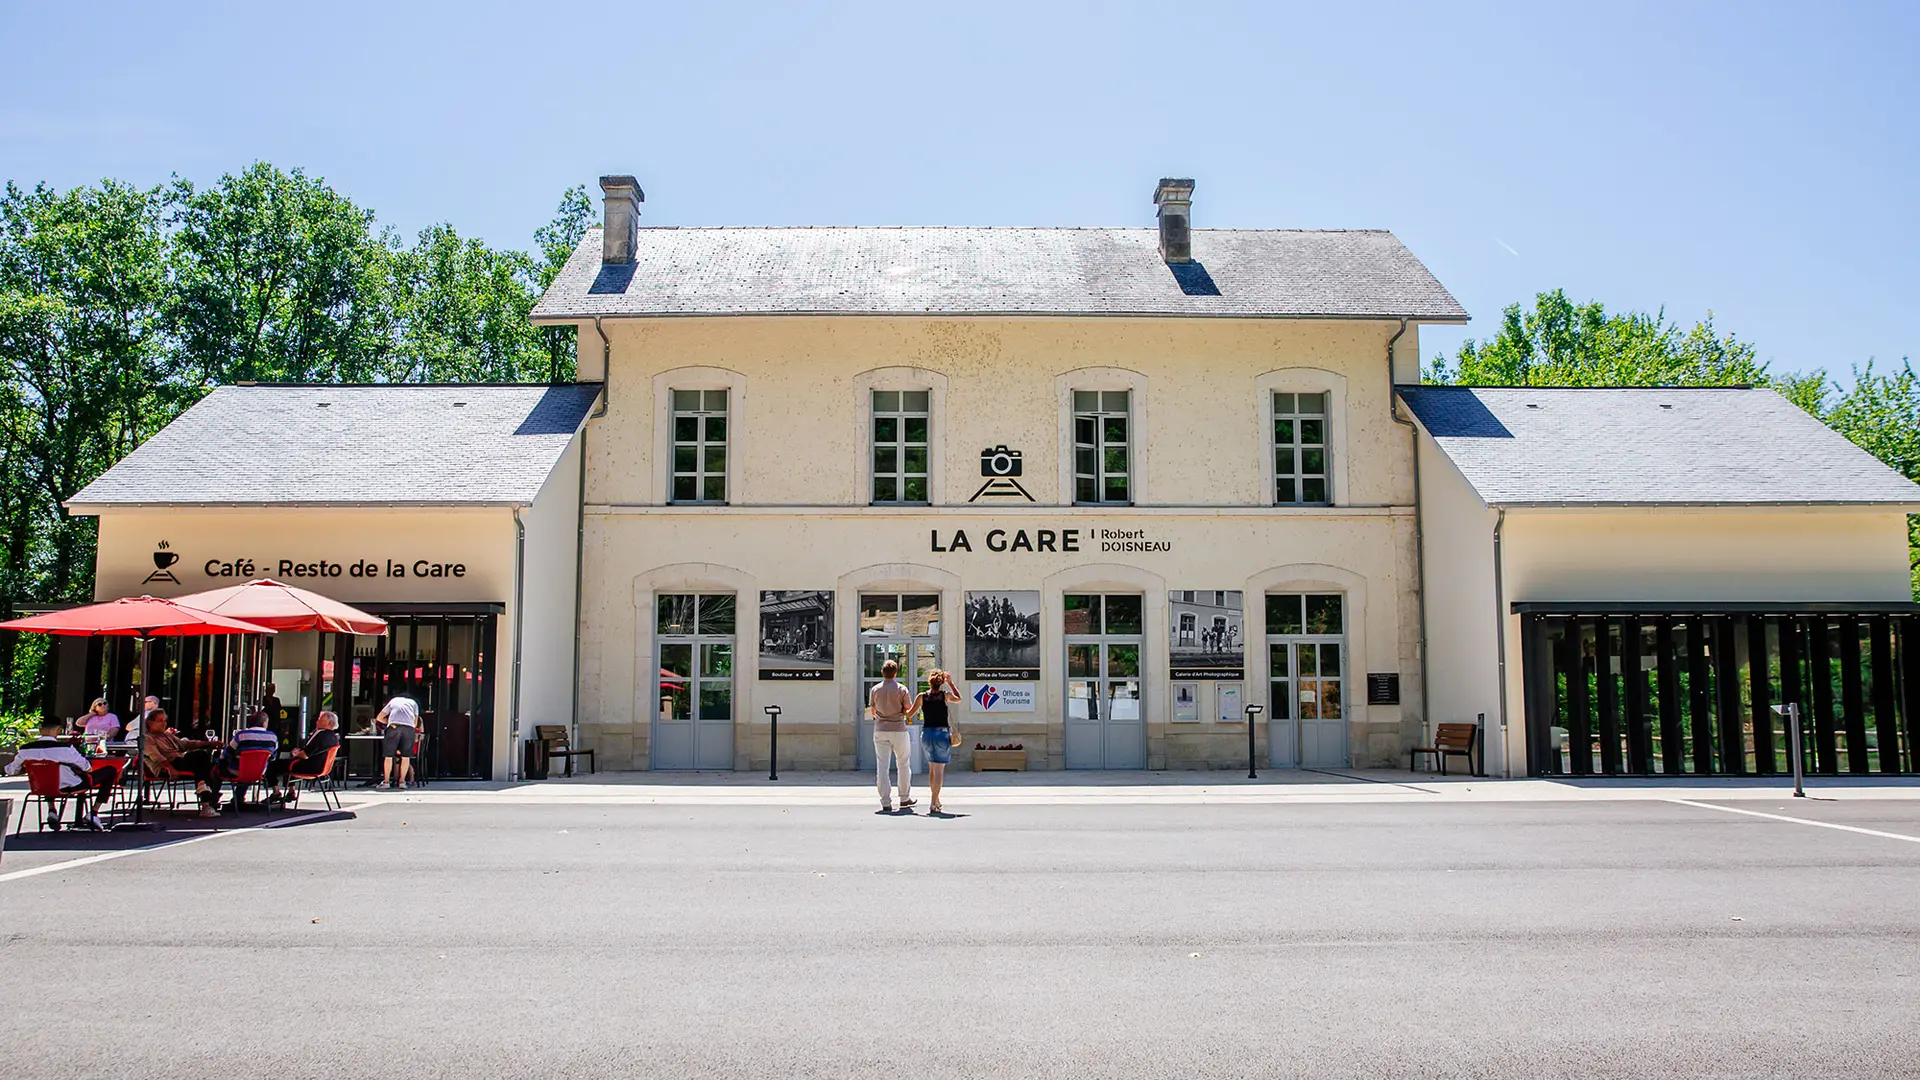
(1056, 540)
(287, 568)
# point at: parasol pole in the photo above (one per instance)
(140, 741)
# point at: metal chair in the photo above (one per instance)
(320, 778)
(43, 784)
(249, 772)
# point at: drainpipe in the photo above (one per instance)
(606, 372)
(519, 625)
(1419, 529)
(1500, 611)
(579, 573)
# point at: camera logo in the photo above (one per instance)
(1000, 465)
(163, 561)
(1000, 461)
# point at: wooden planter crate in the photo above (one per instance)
(999, 761)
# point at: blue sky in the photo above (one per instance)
(1755, 160)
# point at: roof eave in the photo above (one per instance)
(559, 319)
(79, 508)
(1696, 504)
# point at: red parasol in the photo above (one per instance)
(141, 617)
(279, 606)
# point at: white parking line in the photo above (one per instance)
(106, 856)
(1802, 821)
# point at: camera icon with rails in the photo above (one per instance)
(1000, 466)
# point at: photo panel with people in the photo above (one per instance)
(1003, 635)
(1207, 634)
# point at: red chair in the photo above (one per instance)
(249, 772)
(317, 777)
(43, 783)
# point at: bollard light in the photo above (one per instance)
(1796, 747)
(1252, 711)
(773, 742)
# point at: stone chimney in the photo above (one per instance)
(622, 229)
(1175, 200)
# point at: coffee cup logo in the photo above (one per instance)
(163, 561)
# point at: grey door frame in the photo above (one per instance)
(1105, 731)
(695, 642)
(1285, 735)
(911, 675)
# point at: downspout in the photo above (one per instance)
(519, 624)
(1500, 611)
(1419, 530)
(606, 378)
(579, 574)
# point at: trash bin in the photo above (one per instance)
(536, 761)
(6, 815)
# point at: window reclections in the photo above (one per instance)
(901, 436)
(1300, 467)
(1102, 446)
(699, 446)
(1305, 639)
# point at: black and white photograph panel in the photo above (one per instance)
(796, 635)
(1207, 634)
(1003, 635)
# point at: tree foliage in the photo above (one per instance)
(1560, 343)
(121, 306)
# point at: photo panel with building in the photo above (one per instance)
(1003, 635)
(1207, 634)
(796, 635)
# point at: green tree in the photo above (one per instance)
(279, 278)
(1560, 343)
(462, 310)
(556, 240)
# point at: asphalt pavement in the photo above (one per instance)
(1645, 938)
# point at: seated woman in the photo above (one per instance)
(165, 750)
(76, 772)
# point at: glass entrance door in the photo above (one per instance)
(904, 628)
(693, 715)
(1105, 726)
(1306, 663)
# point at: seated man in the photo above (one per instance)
(255, 736)
(165, 749)
(305, 758)
(76, 772)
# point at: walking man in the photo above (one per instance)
(401, 722)
(888, 705)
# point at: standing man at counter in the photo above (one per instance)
(400, 721)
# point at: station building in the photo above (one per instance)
(1129, 485)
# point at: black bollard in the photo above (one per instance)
(1252, 712)
(773, 746)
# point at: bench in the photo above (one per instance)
(1449, 740)
(554, 736)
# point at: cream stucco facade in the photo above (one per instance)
(400, 558)
(1619, 555)
(798, 514)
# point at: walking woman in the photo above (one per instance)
(936, 730)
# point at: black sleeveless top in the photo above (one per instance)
(934, 708)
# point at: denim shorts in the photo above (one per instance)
(939, 744)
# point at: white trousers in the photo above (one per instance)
(898, 746)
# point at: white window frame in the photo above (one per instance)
(1297, 448)
(1139, 441)
(1305, 380)
(702, 444)
(900, 414)
(903, 378)
(700, 378)
(1293, 642)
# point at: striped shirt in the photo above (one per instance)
(253, 738)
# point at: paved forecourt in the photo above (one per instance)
(437, 936)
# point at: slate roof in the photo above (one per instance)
(1520, 446)
(999, 271)
(406, 445)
